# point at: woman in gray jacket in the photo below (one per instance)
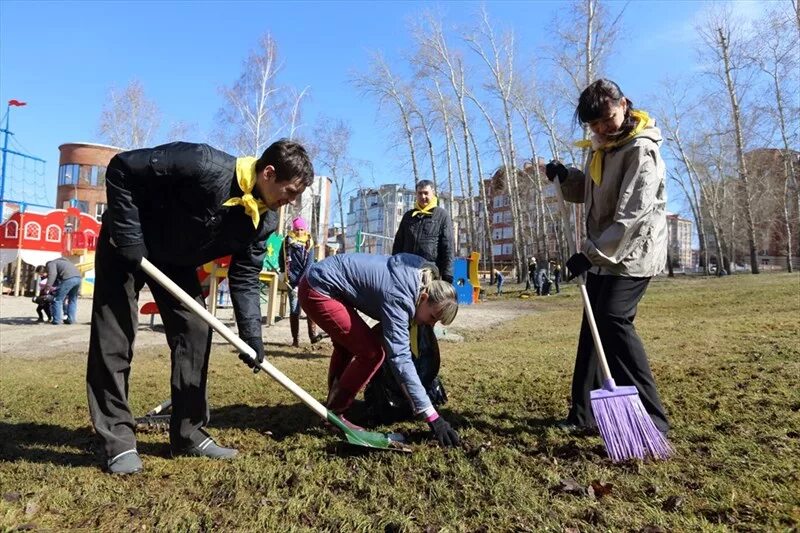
(393, 290)
(623, 189)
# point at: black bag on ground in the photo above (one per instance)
(385, 400)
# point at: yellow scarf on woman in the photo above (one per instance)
(596, 166)
(427, 210)
(246, 177)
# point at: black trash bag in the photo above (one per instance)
(385, 400)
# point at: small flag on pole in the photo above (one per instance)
(17, 103)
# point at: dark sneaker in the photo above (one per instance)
(125, 463)
(207, 448)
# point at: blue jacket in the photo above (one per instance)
(385, 289)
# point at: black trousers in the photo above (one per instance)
(614, 301)
(114, 322)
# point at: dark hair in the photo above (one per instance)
(421, 184)
(596, 98)
(290, 161)
(40, 269)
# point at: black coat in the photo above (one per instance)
(429, 236)
(170, 197)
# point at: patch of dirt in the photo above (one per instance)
(22, 337)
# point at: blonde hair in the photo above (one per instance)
(439, 292)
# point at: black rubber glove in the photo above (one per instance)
(258, 346)
(445, 434)
(131, 256)
(556, 168)
(577, 265)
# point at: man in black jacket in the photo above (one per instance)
(181, 205)
(427, 231)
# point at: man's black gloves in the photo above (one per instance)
(577, 265)
(258, 346)
(556, 168)
(445, 434)
(131, 256)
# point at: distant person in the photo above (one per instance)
(295, 258)
(43, 300)
(623, 189)
(557, 276)
(531, 279)
(394, 291)
(180, 205)
(427, 231)
(67, 277)
(498, 276)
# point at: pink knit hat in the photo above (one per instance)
(299, 223)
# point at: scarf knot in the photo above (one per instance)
(246, 178)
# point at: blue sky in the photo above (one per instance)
(62, 57)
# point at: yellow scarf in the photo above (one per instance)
(427, 210)
(413, 335)
(304, 239)
(246, 177)
(596, 166)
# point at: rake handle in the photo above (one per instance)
(587, 306)
(191, 304)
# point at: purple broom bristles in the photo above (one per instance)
(628, 431)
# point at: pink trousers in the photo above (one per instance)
(357, 349)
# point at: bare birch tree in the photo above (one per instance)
(129, 119)
(257, 109)
(332, 139)
(499, 59)
(774, 52)
(382, 83)
(487, 221)
(723, 43)
(436, 59)
(673, 105)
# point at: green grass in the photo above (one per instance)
(725, 352)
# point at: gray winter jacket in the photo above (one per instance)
(386, 289)
(626, 225)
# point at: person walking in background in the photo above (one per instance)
(180, 205)
(557, 276)
(44, 298)
(624, 191)
(531, 279)
(498, 276)
(64, 275)
(394, 291)
(427, 231)
(294, 260)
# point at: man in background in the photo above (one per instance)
(427, 231)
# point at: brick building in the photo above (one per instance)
(82, 176)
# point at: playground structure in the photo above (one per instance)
(36, 238)
(466, 278)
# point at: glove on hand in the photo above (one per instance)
(445, 434)
(577, 265)
(131, 256)
(258, 346)
(556, 168)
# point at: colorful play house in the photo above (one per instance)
(466, 280)
(36, 238)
